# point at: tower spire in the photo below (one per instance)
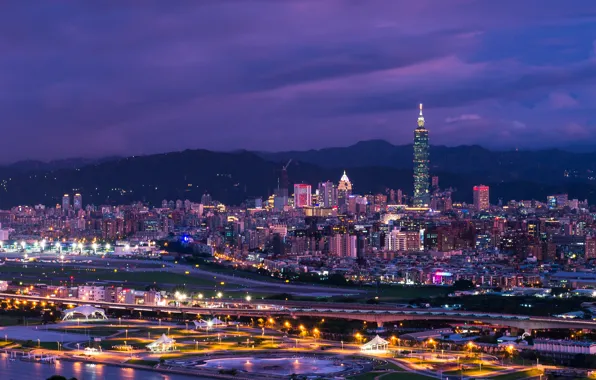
(421, 118)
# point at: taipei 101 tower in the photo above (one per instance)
(421, 164)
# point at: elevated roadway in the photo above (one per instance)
(379, 314)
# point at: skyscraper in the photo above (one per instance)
(421, 164)
(344, 190)
(78, 202)
(327, 194)
(481, 200)
(302, 195)
(65, 203)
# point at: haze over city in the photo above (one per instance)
(94, 80)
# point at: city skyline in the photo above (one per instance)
(128, 80)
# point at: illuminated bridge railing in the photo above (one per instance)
(420, 313)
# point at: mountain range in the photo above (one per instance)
(231, 177)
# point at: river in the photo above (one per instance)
(20, 370)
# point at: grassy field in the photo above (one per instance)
(396, 292)
(405, 376)
(149, 363)
(519, 375)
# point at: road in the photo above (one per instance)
(379, 314)
(254, 285)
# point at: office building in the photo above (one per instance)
(65, 203)
(78, 202)
(302, 195)
(421, 164)
(344, 190)
(327, 194)
(481, 198)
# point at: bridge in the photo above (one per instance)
(379, 314)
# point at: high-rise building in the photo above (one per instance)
(590, 248)
(397, 240)
(327, 194)
(206, 199)
(343, 245)
(481, 199)
(302, 195)
(435, 182)
(421, 164)
(78, 202)
(344, 190)
(65, 202)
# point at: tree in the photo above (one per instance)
(463, 285)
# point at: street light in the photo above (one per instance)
(219, 295)
(107, 247)
(248, 298)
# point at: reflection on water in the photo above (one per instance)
(277, 366)
(20, 370)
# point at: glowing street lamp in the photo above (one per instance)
(219, 294)
(358, 337)
(248, 298)
(108, 247)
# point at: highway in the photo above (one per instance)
(379, 314)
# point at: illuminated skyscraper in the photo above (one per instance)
(65, 203)
(302, 195)
(481, 199)
(421, 164)
(78, 202)
(344, 190)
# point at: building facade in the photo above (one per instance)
(421, 164)
(481, 197)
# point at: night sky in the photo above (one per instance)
(82, 79)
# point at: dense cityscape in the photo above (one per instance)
(298, 190)
(523, 268)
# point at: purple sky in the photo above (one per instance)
(137, 77)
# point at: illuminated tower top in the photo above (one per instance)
(344, 183)
(420, 118)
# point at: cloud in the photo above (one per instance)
(560, 100)
(464, 117)
(237, 74)
(516, 124)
